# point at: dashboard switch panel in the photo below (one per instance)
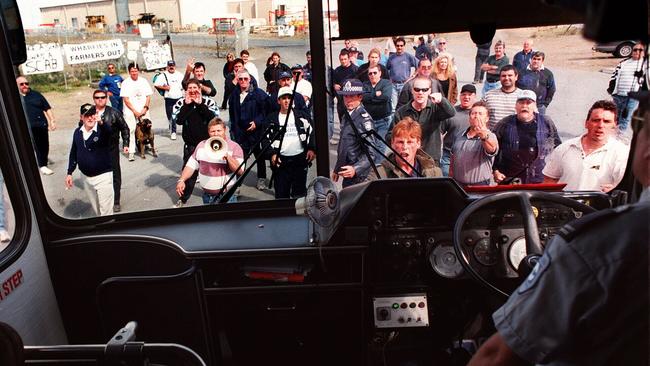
(408, 311)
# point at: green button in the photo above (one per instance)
(395, 306)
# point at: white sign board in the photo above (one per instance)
(43, 58)
(145, 30)
(132, 50)
(156, 55)
(93, 51)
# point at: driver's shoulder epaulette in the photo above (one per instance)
(593, 220)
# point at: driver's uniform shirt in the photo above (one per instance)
(586, 301)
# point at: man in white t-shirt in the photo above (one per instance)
(171, 82)
(136, 93)
(593, 161)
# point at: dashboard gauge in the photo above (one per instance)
(444, 261)
(485, 253)
(517, 252)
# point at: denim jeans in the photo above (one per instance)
(209, 198)
(478, 73)
(397, 89)
(445, 160)
(116, 102)
(626, 107)
(489, 86)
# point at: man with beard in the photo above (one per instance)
(525, 140)
(41, 121)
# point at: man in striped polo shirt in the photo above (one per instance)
(214, 172)
(501, 102)
(627, 77)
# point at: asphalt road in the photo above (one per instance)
(150, 183)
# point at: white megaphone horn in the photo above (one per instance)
(216, 148)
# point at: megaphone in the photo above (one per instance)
(216, 148)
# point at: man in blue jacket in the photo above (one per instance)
(112, 83)
(91, 152)
(248, 112)
(538, 79)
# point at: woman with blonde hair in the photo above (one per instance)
(444, 71)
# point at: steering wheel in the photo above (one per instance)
(534, 248)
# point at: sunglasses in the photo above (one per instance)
(426, 67)
(399, 45)
(373, 72)
(241, 79)
(98, 97)
(421, 90)
(442, 42)
(25, 83)
(638, 49)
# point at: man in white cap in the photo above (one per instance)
(525, 140)
(354, 157)
(293, 149)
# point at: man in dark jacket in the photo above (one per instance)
(293, 149)
(247, 112)
(525, 140)
(429, 109)
(113, 118)
(354, 158)
(194, 112)
(298, 101)
(538, 79)
(90, 151)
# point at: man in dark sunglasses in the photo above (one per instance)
(429, 109)
(115, 119)
(377, 93)
(112, 84)
(627, 77)
(41, 121)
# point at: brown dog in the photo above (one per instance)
(144, 136)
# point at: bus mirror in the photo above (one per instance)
(13, 31)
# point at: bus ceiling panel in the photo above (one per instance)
(418, 17)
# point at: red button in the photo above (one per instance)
(404, 305)
(421, 305)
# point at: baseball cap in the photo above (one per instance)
(527, 94)
(296, 67)
(284, 75)
(171, 63)
(285, 90)
(353, 49)
(351, 87)
(468, 88)
(87, 109)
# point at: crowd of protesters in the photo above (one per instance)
(401, 114)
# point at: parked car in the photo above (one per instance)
(617, 48)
